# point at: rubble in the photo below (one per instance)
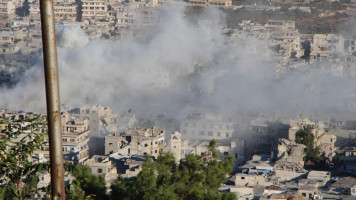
(290, 156)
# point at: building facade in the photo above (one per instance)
(75, 138)
(206, 126)
(94, 9)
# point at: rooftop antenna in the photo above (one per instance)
(52, 97)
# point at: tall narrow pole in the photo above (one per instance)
(52, 96)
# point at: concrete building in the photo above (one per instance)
(350, 45)
(101, 119)
(101, 122)
(290, 156)
(235, 149)
(287, 43)
(325, 44)
(264, 136)
(322, 138)
(115, 142)
(322, 177)
(102, 166)
(349, 160)
(174, 146)
(94, 9)
(206, 126)
(12, 35)
(64, 12)
(280, 25)
(35, 10)
(75, 138)
(128, 166)
(290, 1)
(139, 141)
(7, 7)
(206, 3)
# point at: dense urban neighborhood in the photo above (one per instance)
(213, 99)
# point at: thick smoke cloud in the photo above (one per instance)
(159, 75)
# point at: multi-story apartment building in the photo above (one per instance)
(325, 44)
(349, 160)
(65, 12)
(263, 136)
(206, 3)
(102, 166)
(7, 7)
(101, 122)
(175, 145)
(282, 25)
(12, 35)
(75, 139)
(141, 141)
(287, 42)
(98, 116)
(323, 139)
(94, 9)
(207, 126)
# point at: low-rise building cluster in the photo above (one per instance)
(280, 174)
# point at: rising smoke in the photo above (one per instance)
(180, 65)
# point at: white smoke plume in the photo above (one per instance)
(158, 74)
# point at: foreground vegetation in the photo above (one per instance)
(196, 177)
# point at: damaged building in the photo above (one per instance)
(141, 141)
(290, 156)
(264, 135)
(323, 139)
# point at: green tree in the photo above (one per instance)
(306, 137)
(312, 158)
(93, 186)
(196, 177)
(17, 172)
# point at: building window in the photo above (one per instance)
(146, 145)
(227, 135)
(226, 153)
(201, 133)
(210, 133)
(100, 171)
(110, 144)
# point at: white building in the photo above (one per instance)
(94, 9)
(206, 126)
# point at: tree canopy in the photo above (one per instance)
(195, 177)
(17, 172)
(312, 158)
